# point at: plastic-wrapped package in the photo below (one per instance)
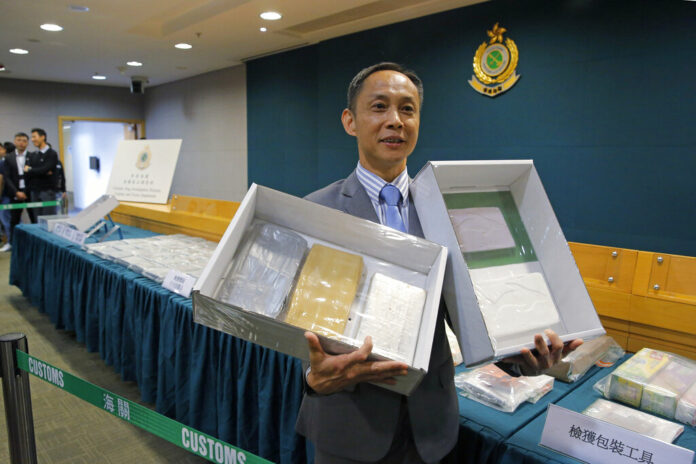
(602, 351)
(263, 271)
(686, 407)
(392, 315)
(154, 257)
(493, 387)
(653, 381)
(325, 291)
(634, 420)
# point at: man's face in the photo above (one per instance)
(385, 120)
(21, 143)
(37, 139)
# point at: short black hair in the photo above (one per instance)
(357, 82)
(21, 134)
(9, 147)
(40, 132)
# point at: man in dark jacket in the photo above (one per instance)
(39, 173)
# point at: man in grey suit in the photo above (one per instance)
(348, 419)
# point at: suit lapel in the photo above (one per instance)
(355, 200)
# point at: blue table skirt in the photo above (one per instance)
(240, 392)
(523, 447)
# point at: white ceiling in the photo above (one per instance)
(116, 31)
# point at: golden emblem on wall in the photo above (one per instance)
(144, 158)
(495, 63)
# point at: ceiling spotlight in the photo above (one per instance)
(134, 63)
(183, 46)
(2, 68)
(19, 51)
(98, 77)
(79, 8)
(263, 29)
(271, 15)
(51, 27)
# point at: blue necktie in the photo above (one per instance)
(392, 197)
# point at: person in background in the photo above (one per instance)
(5, 148)
(15, 184)
(39, 172)
(59, 182)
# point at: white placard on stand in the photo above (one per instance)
(143, 170)
(592, 440)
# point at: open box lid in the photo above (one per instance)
(562, 276)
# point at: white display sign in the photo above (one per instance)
(592, 440)
(179, 283)
(143, 170)
(70, 234)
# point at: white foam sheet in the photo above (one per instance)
(515, 304)
(481, 229)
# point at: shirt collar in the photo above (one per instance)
(45, 148)
(21, 153)
(373, 184)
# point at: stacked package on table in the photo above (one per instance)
(493, 387)
(286, 266)
(657, 382)
(154, 257)
(633, 420)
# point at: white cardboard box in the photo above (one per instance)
(578, 318)
(319, 224)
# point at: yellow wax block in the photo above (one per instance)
(325, 291)
(629, 379)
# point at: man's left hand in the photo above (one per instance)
(545, 356)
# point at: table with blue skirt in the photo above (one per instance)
(242, 393)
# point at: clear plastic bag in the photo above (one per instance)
(602, 351)
(329, 290)
(493, 387)
(634, 420)
(656, 382)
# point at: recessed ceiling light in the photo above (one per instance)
(79, 8)
(98, 77)
(183, 46)
(271, 15)
(19, 51)
(51, 27)
(263, 29)
(2, 68)
(134, 63)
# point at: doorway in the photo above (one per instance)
(87, 150)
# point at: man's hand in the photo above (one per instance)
(27, 168)
(544, 357)
(332, 373)
(21, 195)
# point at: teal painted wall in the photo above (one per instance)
(605, 107)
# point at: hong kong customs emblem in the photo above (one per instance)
(144, 158)
(494, 64)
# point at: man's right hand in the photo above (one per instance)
(21, 196)
(333, 373)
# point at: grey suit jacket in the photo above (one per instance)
(361, 424)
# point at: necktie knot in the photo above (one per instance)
(390, 195)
